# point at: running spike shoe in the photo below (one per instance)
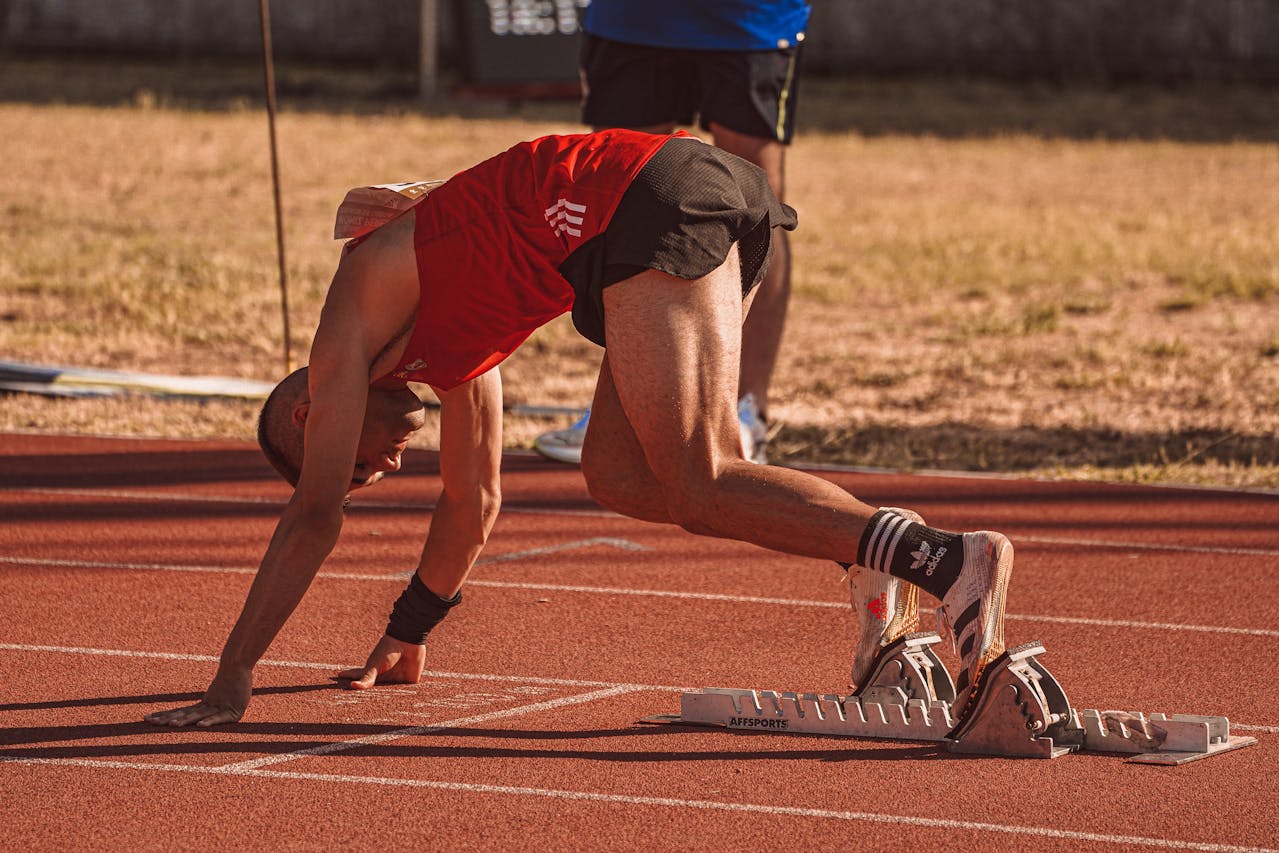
(887, 609)
(972, 611)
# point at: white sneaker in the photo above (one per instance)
(564, 445)
(886, 607)
(754, 432)
(972, 612)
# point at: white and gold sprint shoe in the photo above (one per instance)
(972, 611)
(887, 609)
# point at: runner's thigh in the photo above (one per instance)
(674, 347)
(613, 463)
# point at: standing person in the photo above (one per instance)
(653, 243)
(733, 67)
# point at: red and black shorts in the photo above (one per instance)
(682, 215)
(750, 91)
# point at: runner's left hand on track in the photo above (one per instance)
(224, 702)
(392, 662)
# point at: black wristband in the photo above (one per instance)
(417, 611)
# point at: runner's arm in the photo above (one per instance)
(353, 326)
(470, 460)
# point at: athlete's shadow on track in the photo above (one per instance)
(85, 741)
(76, 742)
(162, 698)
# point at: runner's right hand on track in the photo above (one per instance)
(224, 702)
(392, 662)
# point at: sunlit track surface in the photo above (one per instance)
(124, 562)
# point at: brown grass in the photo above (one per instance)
(985, 279)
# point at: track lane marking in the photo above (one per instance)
(662, 802)
(180, 497)
(602, 513)
(626, 687)
(426, 673)
(414, 731)
(653, 593)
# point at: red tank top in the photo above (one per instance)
(490, 240)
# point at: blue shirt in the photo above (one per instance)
(699, 24)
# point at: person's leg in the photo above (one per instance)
(679, 399)
(762, 331)
(673, 350)
(613, 463)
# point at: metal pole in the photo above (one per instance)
(268, 70)
(428, 60)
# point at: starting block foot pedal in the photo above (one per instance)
(1017, 711)
(1022, 711)
(908, 669)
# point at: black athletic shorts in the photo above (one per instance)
(681, 215)
(750, 91)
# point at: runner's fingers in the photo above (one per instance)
(366, 680)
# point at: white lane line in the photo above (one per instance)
(125, 494)
(180, 497)
(627, 687)
(155, 497)
(332, 667)
(1150, 546)
(651, 593)
(665, 803)
(611, 541)
(413, 731)
(1146, 626)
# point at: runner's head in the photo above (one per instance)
(391, 416)
(279, 436)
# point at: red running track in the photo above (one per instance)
(123, 564)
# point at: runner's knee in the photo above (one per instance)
(693, 504)
(622, 489)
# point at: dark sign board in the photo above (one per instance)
(514, 42)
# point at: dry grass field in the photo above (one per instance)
(1045, 281)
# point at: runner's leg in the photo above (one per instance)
(673, 351)
(613, 463)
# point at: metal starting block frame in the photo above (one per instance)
(1021, 711)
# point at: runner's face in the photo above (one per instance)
(390, 417)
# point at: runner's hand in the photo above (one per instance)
(224, 702)
(392, 662)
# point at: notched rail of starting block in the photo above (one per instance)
(907, 696)
(1021, 711)
(811, 713)
(1158, 738)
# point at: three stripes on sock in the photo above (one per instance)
(925, 556)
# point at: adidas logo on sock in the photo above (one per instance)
(926, 556)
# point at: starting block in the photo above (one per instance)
(1021, 711)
